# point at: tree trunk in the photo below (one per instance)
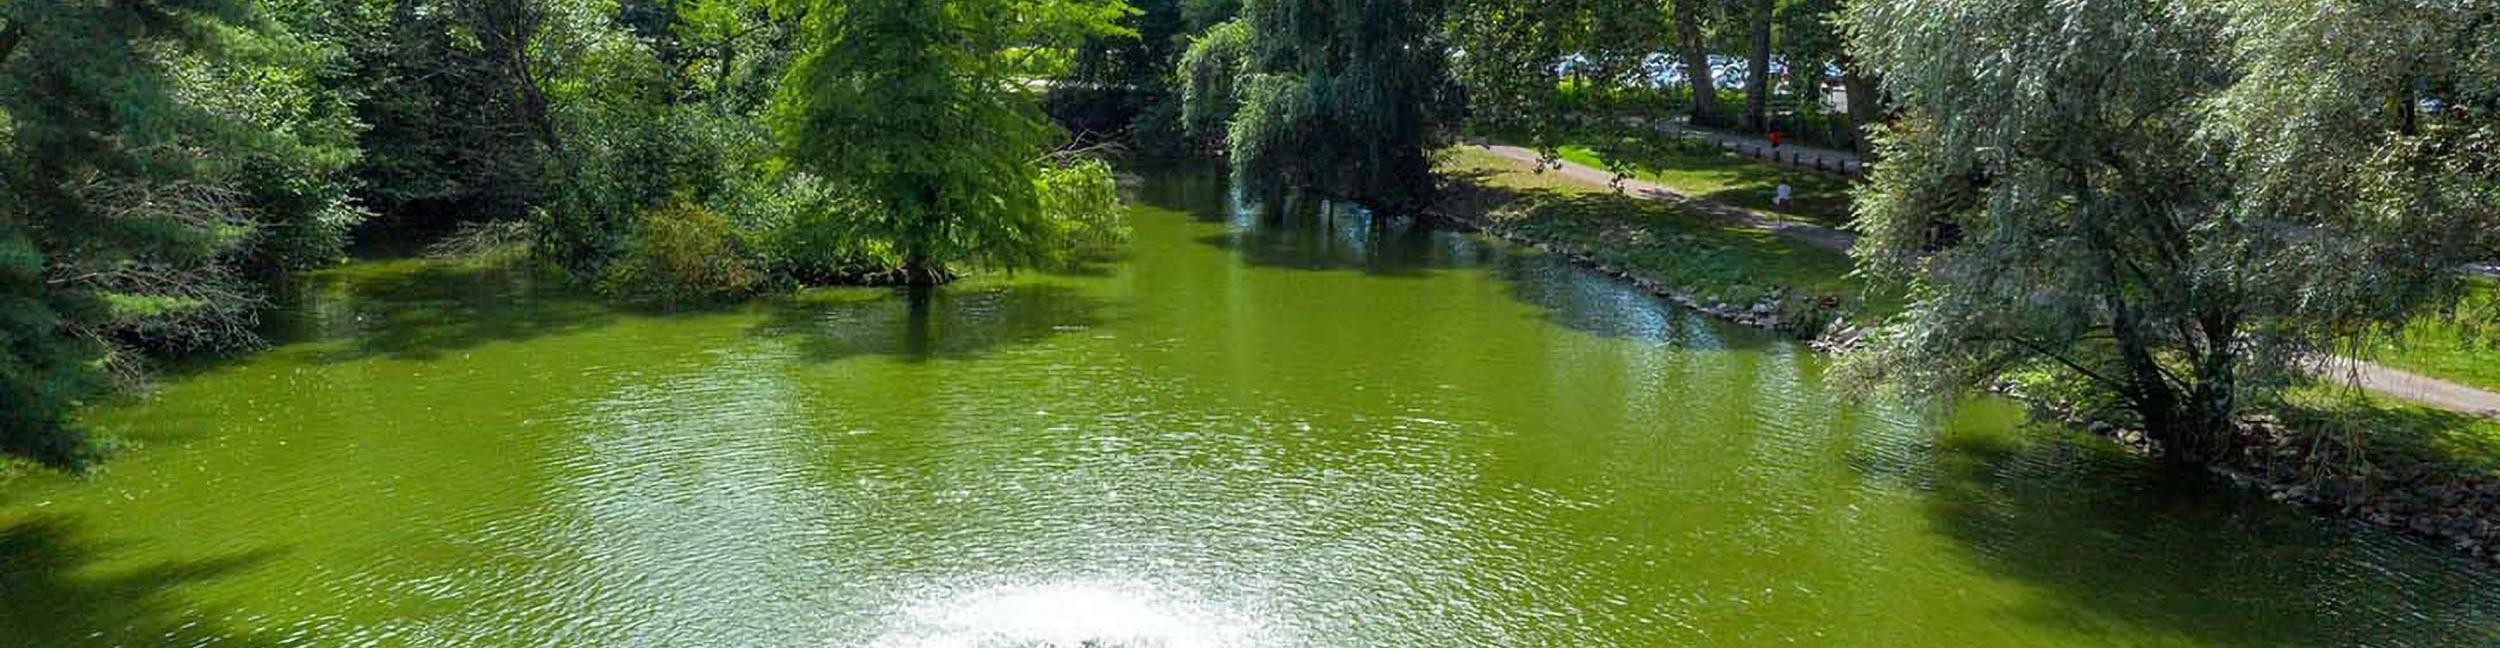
(1696, 61)
(720, 75)
(2405, 103)
(2215, 398)
(8, 42)
(918, 271)
(1865, 106)
(1758, 72)
(2154, 400)
(504, 29)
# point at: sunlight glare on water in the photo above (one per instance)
(1108, 614)
(1305, 426)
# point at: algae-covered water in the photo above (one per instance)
(1305, 427)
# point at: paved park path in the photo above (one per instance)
(2416, 388)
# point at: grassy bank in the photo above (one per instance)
(2461, 345)
(1703, 171)
(1738, 265)
(2336, 450)
(1717, 262)
(2387, 427)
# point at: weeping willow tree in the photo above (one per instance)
(1343, 96)
(2170, 204)
(926, 108)
(1211, 70)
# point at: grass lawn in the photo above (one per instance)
(2461, 345)
(2387, 425)
(1702, 171)
(1715, 259)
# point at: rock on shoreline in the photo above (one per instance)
(2440, 503)
(1836, 335)
(2446, 506)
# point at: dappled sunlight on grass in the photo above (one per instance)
(1703, 171)
(2381, 424)
(2460, 345)
(1725, 262)
(1711, 174)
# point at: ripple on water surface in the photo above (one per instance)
(1256, 429)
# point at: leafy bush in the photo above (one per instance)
(804, 230)
(1083, 199)
(1211, 71)
(682, 253)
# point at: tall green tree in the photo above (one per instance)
(2168, 203)
(160, 157)
(1514, 54)
(925, 107)
(1759, 16)
(1345, 96)
(1211, 71)
(1692, 49)
(459, 126)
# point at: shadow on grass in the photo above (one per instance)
(2116, 545)
(50, 596)
(2441, 438)
(922, 323)
(1819, 198)
(1697, 252)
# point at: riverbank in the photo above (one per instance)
(1305, 426)
(2346, 456)
(1707, 257)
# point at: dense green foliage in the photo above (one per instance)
(1343, 96)
(682, 253)
(917, 106)
(2172, 202)
(158, 157)
(167, 160)
(1533, 65)
(1212, 70)
(1511, 71)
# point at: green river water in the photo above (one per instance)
(1298, 429)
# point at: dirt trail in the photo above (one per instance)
(2419, 389)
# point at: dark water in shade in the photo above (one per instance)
(1299, 429)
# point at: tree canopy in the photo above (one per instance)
(1342, 96)
(158, 156)
(924, 106)
(2172, 202)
